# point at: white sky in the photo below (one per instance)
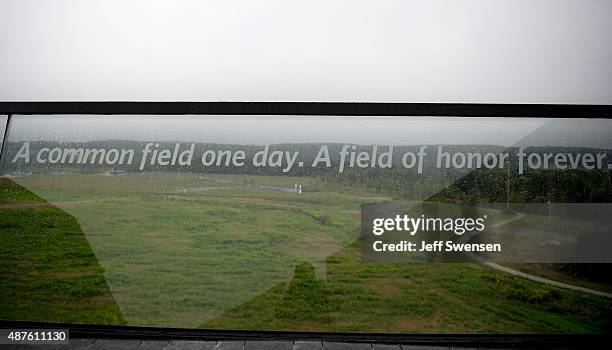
(540, 51)
(275, 129)
(262, 130)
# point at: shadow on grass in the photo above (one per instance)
(416, 298)
(48, 271)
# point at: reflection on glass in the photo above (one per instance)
(216, 244)
(3, 119)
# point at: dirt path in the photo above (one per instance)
(514, 272)
(531, 277)
(467, 237)
(23, 205)
(209, 188)
(507, 221)
(38, 204)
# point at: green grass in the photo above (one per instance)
(186, 250)
(47, 269)
(10, 193)
(202, 257)
(415, 298)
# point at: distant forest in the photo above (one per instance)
(476, 185)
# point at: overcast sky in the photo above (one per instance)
(275, 129)
(261, 130)
(545, 51)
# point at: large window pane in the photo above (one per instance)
(3, 119)
(255, 222)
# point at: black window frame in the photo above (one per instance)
(316, 109)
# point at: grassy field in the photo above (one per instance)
(189, 250)
(416, 298)
(48, 271)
